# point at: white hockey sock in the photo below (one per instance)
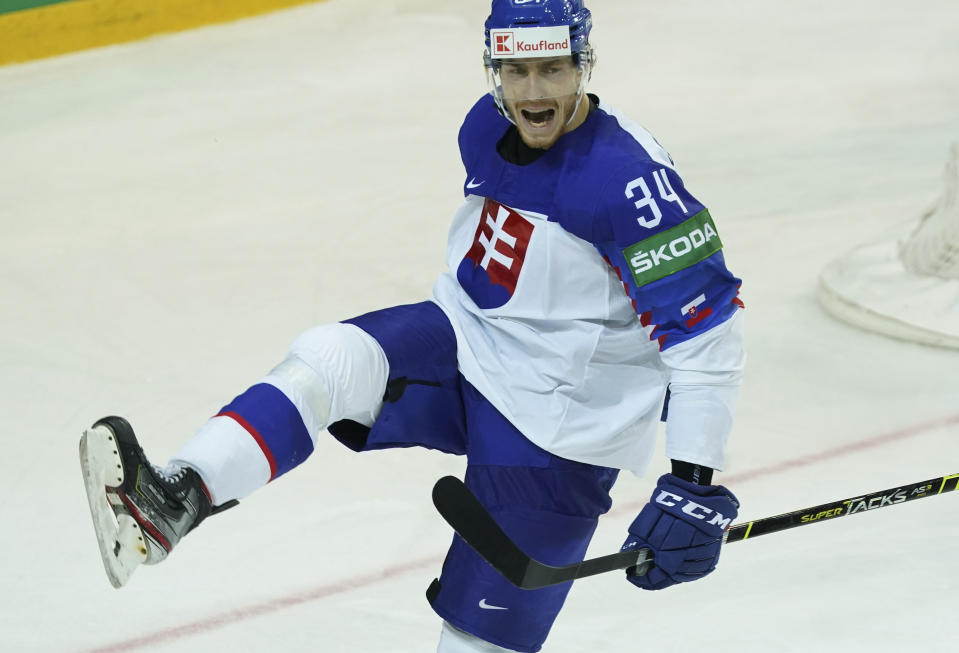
(454, 640)
(332, 372)
(229, 461)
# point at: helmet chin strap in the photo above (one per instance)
(579, 99)
(506, 114)
(580, 92)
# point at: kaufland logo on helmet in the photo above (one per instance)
(529, 42)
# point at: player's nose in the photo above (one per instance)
(535, 87)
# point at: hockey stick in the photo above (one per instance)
(881, 499)
(463, 511)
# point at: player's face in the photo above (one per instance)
(540, 95)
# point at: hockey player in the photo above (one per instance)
(584, 280)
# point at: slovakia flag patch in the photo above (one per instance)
(489, 271)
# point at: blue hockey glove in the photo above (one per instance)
(683, 525)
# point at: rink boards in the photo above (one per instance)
(30, 29)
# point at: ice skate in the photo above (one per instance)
(140, 512)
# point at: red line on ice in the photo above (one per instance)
(825, 455)
(224, 619)
(856, 446)
(216, 621)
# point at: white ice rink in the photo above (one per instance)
(175, 211)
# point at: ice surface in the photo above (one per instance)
(175, 211)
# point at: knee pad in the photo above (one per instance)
(333, 372)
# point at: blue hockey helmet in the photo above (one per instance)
(519, 30)
(508, 14)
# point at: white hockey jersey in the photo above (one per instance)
(583, 284)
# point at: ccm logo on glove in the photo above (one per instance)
(694, 509)
(683, 526)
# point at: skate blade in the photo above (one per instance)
(119, 537)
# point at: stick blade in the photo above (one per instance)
(470, 519)
(463, 511)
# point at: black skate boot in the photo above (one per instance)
(140, 512)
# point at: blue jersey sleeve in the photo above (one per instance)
(666, 249)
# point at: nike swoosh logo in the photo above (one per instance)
(486, 606)
(470, 183)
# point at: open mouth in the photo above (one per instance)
(538, 119)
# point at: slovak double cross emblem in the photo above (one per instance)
(490, 270)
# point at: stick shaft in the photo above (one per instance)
(842, 508)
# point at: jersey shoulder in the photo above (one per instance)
(484, 125)
(609, 164)
(642, 193)
(630, 140)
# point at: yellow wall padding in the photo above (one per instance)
(79, 24)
